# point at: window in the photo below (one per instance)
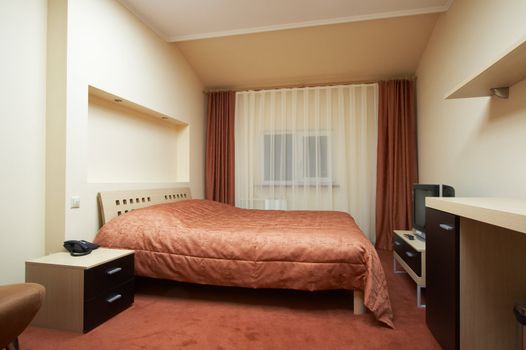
(295, 158)
(312, 148)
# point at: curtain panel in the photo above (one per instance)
(219, 159)
(397, 159)
(308, 149)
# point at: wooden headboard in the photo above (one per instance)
(115, 203)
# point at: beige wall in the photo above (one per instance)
(125, 145)
(477, 145)
(22, 113)
(110, 49)
(56, 90)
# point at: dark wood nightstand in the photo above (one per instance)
(82, 292)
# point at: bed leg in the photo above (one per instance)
(359, 307)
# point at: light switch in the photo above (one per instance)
(75, 202)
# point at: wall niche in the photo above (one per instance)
(129, 143)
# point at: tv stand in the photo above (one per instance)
(411, 255)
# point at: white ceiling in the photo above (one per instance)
(180, 20)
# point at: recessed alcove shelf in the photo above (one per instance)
(507, 70)
(121, 101)
(130, 143)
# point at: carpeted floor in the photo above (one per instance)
(171, 315)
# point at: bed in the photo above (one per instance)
(200, 241)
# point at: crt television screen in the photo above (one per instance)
(419, 196)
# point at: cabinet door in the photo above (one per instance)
(442, 280)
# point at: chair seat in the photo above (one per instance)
(19, 303)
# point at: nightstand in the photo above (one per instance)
(411, 255)
(82, 292)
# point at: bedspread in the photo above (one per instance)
(206, 242)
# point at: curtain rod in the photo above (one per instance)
(305, 85)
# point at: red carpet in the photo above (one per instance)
(171, 315)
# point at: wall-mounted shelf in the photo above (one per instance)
(132, 105)
(507, 70)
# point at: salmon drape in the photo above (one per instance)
(396, 159)
(220, 165)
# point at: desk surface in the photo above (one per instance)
(504, 212)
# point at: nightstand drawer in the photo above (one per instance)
(107, 305)
(412, 257)
(100, 279)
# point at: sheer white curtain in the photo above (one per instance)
(308, 149)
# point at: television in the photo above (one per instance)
(420, 192)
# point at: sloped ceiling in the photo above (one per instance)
(242, 44)
(357, 51)
(178, 20)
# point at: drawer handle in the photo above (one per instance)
(113, 298)
(397, 243)
(446, 227)
(409, 254)
(113, 271)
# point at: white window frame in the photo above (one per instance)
(299, 178)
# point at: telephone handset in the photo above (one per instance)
(79, 248)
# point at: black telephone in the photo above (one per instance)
(79, 248)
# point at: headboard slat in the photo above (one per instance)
(115, 203)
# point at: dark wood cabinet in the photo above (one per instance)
(108, 290)
(442, 280)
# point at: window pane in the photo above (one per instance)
(278, 157)
(324, 151)
(266, 147)
(288, 158)
(316, 150)
(310, 156)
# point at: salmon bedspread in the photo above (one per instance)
(206, 242)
